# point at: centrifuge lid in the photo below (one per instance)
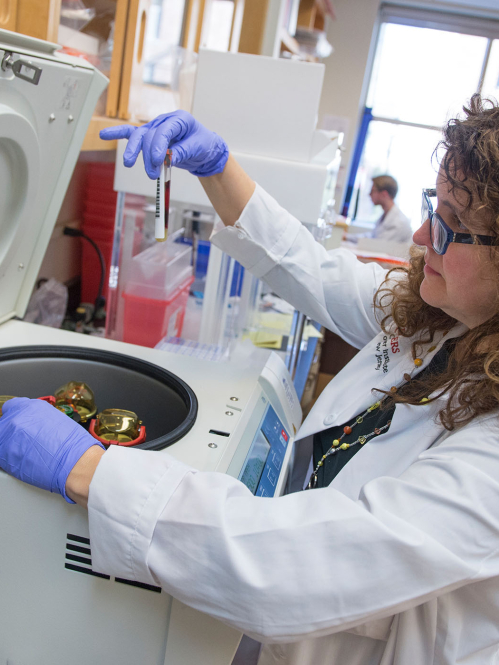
(37, 153)
(16, 41)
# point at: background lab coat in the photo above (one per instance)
(394, 227)
(396, 562)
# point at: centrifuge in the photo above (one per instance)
(240, 418)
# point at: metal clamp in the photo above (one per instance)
(7, 61)
(21, 68)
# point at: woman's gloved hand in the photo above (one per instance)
(194, 148)
(40, 445)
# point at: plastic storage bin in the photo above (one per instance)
(156, 292)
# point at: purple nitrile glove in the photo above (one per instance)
(40, 445)
(194, 148)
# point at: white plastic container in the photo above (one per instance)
(160, 269)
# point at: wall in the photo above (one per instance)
(353, 38)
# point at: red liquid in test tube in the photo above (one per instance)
(163, 199)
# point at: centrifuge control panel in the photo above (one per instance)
(265, 457)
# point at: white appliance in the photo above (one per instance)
(240, 420)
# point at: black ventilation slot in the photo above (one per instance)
(77, 548)
(140, 585)
(87, 571)
(78, 539)
(86, 561)
(79, 559)
(219, 433)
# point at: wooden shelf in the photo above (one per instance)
(92, 140)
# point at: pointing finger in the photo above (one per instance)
(118, 132)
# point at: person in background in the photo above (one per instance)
(393, 225)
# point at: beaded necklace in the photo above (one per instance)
(337, 444)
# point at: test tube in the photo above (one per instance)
(163, 199)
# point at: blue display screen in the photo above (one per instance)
(264, 460)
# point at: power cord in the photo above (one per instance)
(100, 301)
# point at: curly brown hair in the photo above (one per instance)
(471, 379)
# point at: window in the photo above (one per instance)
(216, 33)
(490, 86)
(162, 42)
(421, 78)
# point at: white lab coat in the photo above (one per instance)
(393, 227)
(395, 563)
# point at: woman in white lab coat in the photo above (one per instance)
(393, 556)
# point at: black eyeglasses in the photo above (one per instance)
(441, 235)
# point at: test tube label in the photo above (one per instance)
(159, 221)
